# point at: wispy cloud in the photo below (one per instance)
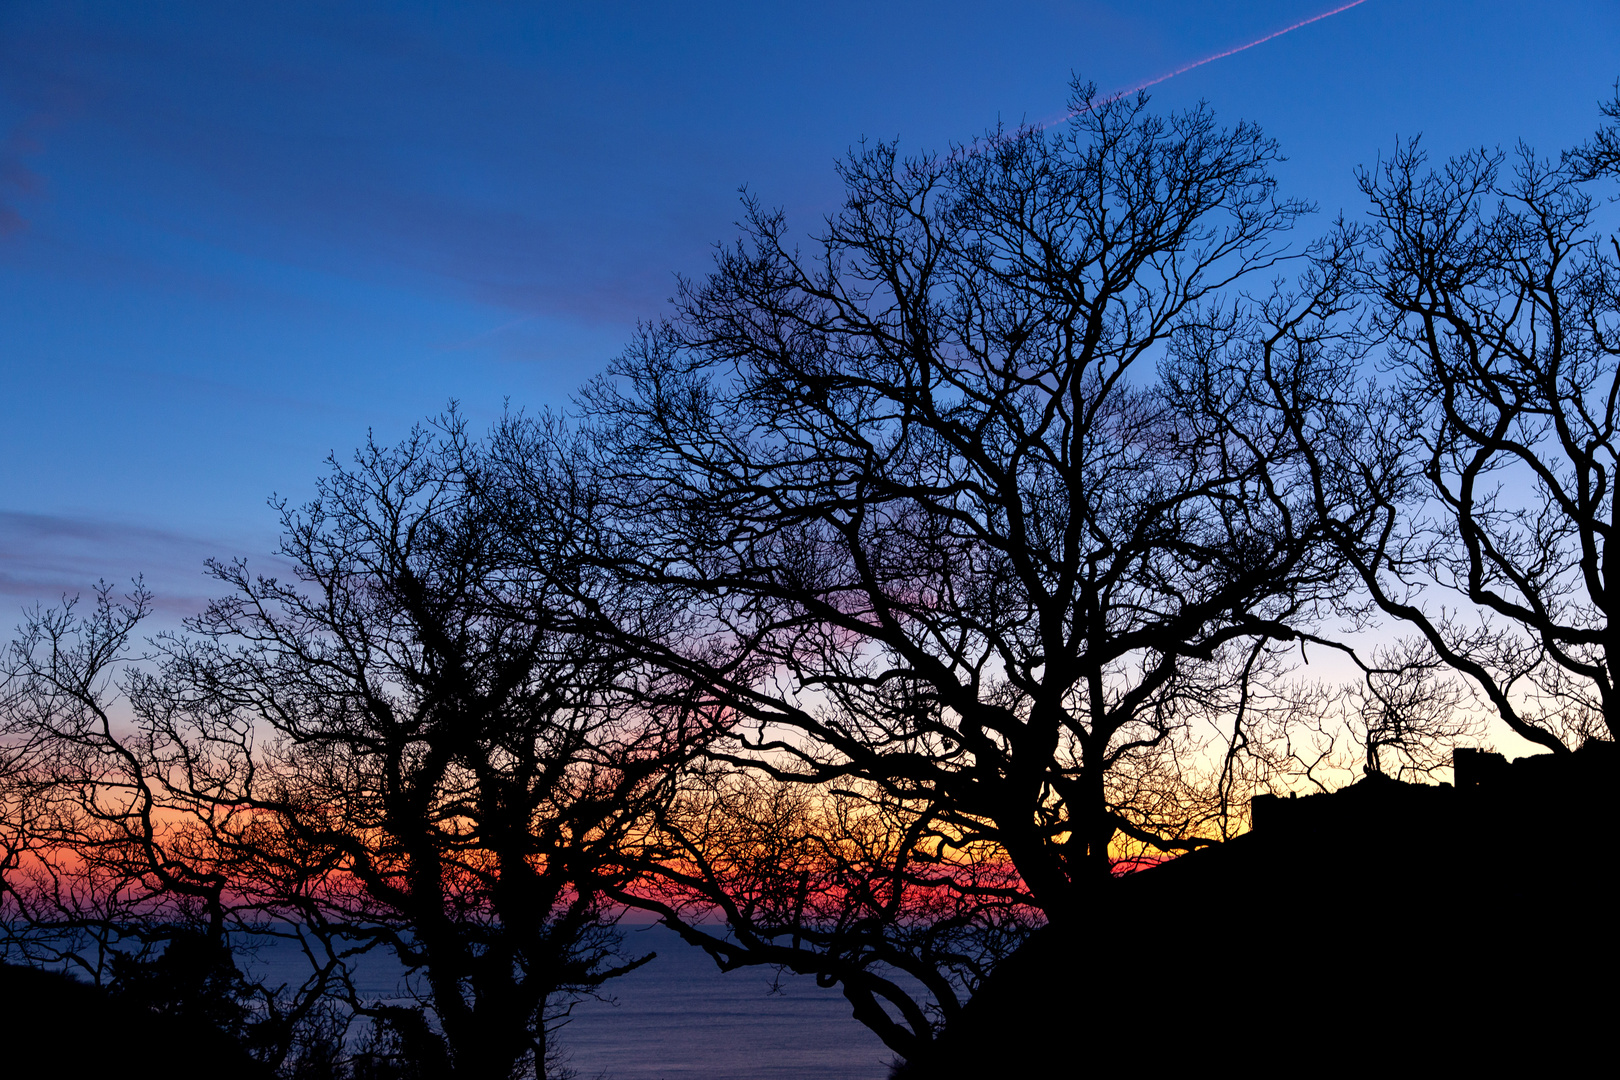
(18, 179)
(45, 558)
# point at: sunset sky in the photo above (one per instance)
(234, 237)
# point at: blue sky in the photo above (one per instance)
(235, 237)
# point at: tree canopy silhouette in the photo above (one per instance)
(402, 748)
(971, 513)
(892, 595)
(1485, 471)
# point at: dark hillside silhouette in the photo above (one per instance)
(1413, 925)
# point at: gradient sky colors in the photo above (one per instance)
(234, 237)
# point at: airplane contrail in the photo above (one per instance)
(1210, 59)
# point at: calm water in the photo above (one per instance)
(678, 1016)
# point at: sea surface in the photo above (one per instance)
(679, 1016)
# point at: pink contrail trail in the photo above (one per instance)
(1211, 59)
(1241, 48)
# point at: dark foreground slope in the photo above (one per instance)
(57, 1026)
(1386, 926)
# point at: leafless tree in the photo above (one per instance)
(403, 748)
(1495, 290)
(112, 866)
(941, 536)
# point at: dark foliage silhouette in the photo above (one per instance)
(85, 1030)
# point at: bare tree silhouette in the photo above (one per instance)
(401, 749)
(971, 517)
(1488, 467)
